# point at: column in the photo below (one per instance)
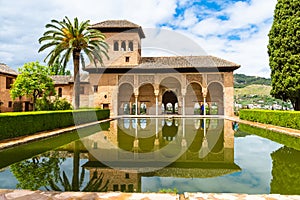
(156, 105)
(136, 104)
(204, 103)
(204, 92)
(183, 104)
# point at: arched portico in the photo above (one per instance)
(125, 99)
(194, 98)
(215, 97)
(170, 98)
(170, 94)
(146, 99)
(154, 95)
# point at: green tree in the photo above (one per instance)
(71, 39)
(284, 52)
(36, 172)
(33, 81)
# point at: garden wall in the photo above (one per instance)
(26, 123)
(289, 119)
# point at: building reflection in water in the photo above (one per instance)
(163, 147)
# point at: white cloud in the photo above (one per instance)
(23, 23)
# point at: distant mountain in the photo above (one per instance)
(242, 80)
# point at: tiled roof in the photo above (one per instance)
(7, 70)
(185, 62)
(116, 24)
(64, 80)
(169, 62)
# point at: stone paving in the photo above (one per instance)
(46, 195)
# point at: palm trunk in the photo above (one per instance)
(76, 57)
(76, 163)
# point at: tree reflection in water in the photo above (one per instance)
(44, 171)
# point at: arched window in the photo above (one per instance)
(123, 46)
(116, 46)
(60, 92)
(130, 46)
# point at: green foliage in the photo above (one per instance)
(168, 190)
(285, 171)
(27, 123)
(284, 52)
(289, 119)
(33, 81)
(68, 39)
(58, 69)
(241, 80)
(53, 104)
(35, 173)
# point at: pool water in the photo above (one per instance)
(152, 155)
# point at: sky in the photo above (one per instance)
(235, 30)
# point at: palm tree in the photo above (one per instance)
(68, 39)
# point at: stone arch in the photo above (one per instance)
(215, 97)
(170, 86)
(60, 92)
(123, 46)
(147, 97)
(169, 97)
(193, 96)
(130, 46)
(125, 98)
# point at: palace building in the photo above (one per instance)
(128, 83)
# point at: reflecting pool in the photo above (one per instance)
(155, 154)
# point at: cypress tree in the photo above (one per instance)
(284, 52)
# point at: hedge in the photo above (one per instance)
(17, 124)
(289, 119)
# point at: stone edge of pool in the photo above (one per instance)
(6, 194)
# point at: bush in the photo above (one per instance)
(52, 104)
(289, 119)
(27, 123)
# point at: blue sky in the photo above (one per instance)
(231, 29)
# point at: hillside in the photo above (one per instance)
(241, 80)
(254, 92)
(255, 89)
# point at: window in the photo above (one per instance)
(9, 81)
(127, 175)
(116, 46)
(81, 90)
(115, 187)
(130, 46)
(123, 46)
(123, 188)
(127, 59)
(105, 106)
(130, 188)
(95, 88)
(9, 104)
(59, 92)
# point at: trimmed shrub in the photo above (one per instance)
(27, 123)
(289, 119)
